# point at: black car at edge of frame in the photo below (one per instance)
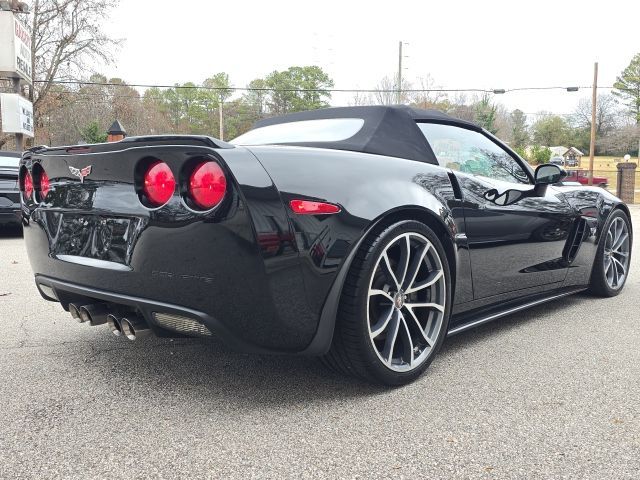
(9, 192)
(363, 235)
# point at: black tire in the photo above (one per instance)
(352, 351)
(598, 284)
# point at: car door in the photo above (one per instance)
(516, 232)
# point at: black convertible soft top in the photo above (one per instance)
(387, 130)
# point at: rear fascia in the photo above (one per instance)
(236, 265)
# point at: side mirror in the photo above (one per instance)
(549, 174)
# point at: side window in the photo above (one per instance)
(471, 152)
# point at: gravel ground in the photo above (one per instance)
(553, 392)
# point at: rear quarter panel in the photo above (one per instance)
(368, 188)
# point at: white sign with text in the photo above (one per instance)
(15, 48)
(17, 114)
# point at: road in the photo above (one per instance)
(553, 392)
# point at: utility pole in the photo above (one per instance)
(594, 100)
(221, 119)
(399, 92)
(19, 136)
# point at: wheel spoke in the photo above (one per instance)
(419, 327)
(375, 292)
(608, 272)
(405, 255)
(381, 326)
(388, 271)
(431, 279)
(415, 267)
(609, 240)
(390, 342)
(408, 347)
(621, 239)
(436, 306)
(621, 268)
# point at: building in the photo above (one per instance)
(571, 155)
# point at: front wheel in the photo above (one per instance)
(394, 308)
(613, 257)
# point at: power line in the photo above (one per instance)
(303, 90)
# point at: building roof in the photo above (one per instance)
(562, 151)
(558, 151)
(576, 151)
(116, 128)
(387, 130)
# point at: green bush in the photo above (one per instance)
(536, 154)
(93, 134)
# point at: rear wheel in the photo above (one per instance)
(395, 306)
(611, 266)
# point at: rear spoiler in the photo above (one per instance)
(130, 142)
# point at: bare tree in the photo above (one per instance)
(426, 97)
(67, 35)
(361, 98)
(386, 92)
(607, 114)
(620, 140)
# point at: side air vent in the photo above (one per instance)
(185, 325)
(575, 240)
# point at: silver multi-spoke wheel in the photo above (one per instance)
(616, 253)
(406, 302)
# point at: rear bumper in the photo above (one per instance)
(65, 293)
(10, 216)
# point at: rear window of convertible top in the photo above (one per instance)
(322, 130)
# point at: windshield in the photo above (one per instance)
(9, 161)
(326, 130)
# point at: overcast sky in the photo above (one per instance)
(461, 44)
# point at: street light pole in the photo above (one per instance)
(592, 143)
(399, 93)
(221, 118)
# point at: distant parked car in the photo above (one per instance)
(582, 176)
(557, 160)
(9, 189)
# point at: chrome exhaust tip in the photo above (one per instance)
(75, 313)
(134, 327)
(95, 314)
(114, 325)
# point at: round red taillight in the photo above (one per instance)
(28, 185)
(44, 185)
(159, 184)
(207, 185)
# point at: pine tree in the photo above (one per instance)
(627, 87)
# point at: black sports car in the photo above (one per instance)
(364, 235)
(9, 192)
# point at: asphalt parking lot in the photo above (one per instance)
(553, 392)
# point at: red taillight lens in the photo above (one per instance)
(44, 185)
(306, 207)
(28, 185)
(207, 185)
(159, 184)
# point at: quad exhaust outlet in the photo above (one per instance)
(130, 325)
(114, 325)
(133, 327)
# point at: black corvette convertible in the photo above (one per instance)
(364, 235)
